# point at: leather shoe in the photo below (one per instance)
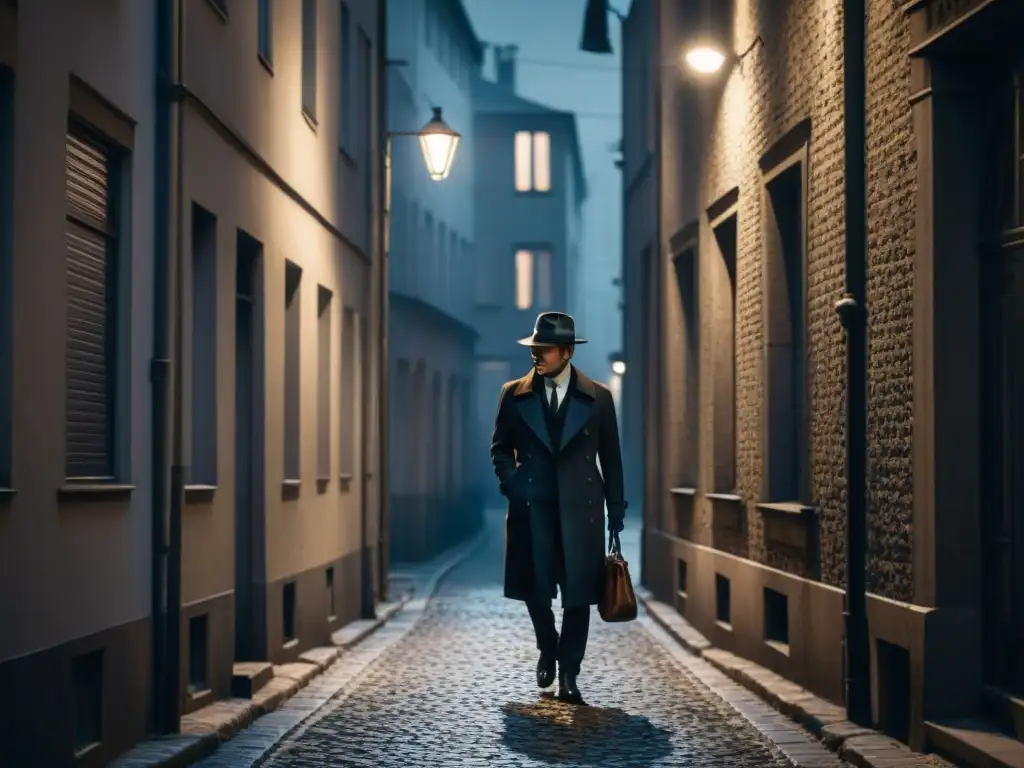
(567, 690)
(545, 671)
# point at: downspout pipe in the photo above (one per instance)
(853, 315)
(166, 502)
(383, 265)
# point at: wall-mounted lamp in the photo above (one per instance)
(438, 143)
(706, 57)
(618, 368)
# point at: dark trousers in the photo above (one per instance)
(570, 645)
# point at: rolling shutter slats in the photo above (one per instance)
(88, 348)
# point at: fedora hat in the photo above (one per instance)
(552, 328)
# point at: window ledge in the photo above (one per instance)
(345, 481)
(266, 63)
(683, 491)
(322, 483)
(310, 120)
(723, 625)
(290, 489)
(346, 157)
(72, 491)
(289, 644)
(6, 493)
(778, 646)
(786, 507)
(733, 497)
(216, 7)
(199, 492)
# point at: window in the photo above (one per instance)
(309, 59)
(265, 33)
(724, 350)
(364, 69)
(533, 161)
(533, 279)
(6, 251)
(87, 684)
(524, 279)
(440, 268)
(292, 370)
(689, 421)
(323, 384)
(787, 440)
(350, 356)
(92, 285)
(203, 469)
(345, 54)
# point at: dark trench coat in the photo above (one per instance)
(519, 447)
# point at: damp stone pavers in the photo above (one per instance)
(450, 682)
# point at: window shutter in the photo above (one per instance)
(89, 383)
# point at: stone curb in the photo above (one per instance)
(861, 747)
(206, 729)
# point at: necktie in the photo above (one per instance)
(554, 400)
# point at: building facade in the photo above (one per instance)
(268, 191)
(739, 395)
(530, 190)
(432, 258)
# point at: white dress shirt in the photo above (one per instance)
(559, 384)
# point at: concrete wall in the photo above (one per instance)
(77, 563)
(431, 338)
(279, 176)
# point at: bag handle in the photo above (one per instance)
(614, 545)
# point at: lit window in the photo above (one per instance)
(533, 161)
(524, 279)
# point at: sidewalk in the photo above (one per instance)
(252, 726)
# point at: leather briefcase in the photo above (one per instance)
(618, 601)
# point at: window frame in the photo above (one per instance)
(82, 130)
(345, 76)
(7, 86)
(265, 33)
(531, 163)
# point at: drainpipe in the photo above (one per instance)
(853, 315)
(383, 499)
(166, 516)
(652, 366)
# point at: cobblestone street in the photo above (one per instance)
(458, 690)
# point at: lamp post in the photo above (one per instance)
(438, 143)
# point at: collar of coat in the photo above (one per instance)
(531, 382)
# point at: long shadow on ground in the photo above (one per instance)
(553, 732)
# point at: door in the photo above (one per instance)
(250, 586)
(1006, 509)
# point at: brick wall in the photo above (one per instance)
(795, 75)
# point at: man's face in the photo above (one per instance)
(549, 360)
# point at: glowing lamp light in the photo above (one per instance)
(705, 59)
(618, 368)
(438, 143)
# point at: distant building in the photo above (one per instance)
(433, 253)
(736, 371)
(281, 257)
(530, 190)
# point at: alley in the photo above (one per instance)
(457, 690)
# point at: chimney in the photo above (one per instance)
(505, 65)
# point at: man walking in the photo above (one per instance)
(552, 426)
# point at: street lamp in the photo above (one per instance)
(705, 58)
(438, 142)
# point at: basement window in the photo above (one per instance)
(681, 576)
(288, 612)
(331, 612)
(198, 653)
(776, 620)
(723, 601)
(87, 682)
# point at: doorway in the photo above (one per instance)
(1005, 521)
(250, 540)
